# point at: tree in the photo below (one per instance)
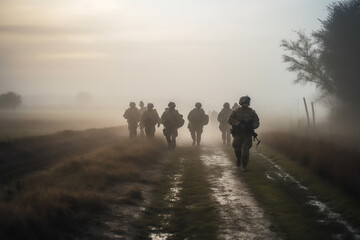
(330, 57)
(10, 100)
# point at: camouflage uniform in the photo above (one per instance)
(197, 119)
(149, 119)
(141, 110)
(243, 122)
(172, 120)
(224, 126)
(132, 116)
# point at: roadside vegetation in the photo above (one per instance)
(288, 204)
(57, 202)
(336, 160)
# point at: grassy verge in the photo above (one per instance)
(284, 203)
(333, 195)
(55, 203)
(183, 207)
(327, 156)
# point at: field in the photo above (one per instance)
(99, 184)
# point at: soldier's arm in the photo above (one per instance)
(233, 120)
(256, 121)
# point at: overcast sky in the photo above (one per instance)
(190, 50)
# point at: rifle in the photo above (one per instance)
(247, 127)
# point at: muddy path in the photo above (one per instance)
(241, 216)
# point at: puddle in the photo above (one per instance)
(330, 215)
(171, 197)
(241, 216)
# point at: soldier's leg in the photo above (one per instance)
(192, 133)
(223, 135)
(151, 131)
(237, 143)
(167, 136)
(245, 150)
(198, 137)
(173, 140)
(228, 136)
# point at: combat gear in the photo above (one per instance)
(243, 121)
(198, 105)
(224, 126)
(197, 119)
(172, 120)
(141, 110)
(132, 104)
(149, 119)
(244, 99)
(132, 115)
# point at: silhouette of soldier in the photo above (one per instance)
(172, 120)
(243, 121)
(235, 106)
(197, 119)
(141, 110)
(224, 126)
(149, 119)
(132, 115)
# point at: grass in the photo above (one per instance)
(286, 205)
(56, 202)
(191, 214)
(335, 162)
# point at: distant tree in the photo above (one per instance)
(84, 98)
(10, 100)
(330, 57)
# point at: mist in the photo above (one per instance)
(186, 52)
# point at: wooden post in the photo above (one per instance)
(313, 113)
(307, 112)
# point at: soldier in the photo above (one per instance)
(149, 119)
(172, 120)
(235, 106)
(197, 119)
(132, 115)
(243, 121)
(141, 110)
(224, 126)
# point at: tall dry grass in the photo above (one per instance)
(329, 158)
(53, 203)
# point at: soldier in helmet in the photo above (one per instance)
(224, 126)
(141, 110)
(149, 119)
(132, 115)
(235, 106)
(197, 119)
(172, 120)
(243, 121)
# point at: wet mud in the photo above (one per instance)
(242, 218)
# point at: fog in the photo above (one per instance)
(156, 51)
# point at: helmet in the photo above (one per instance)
(244, 99)
(141, 104)
(132, 104)
(198, 105)
(226, 105)
(150, 106)
(171, 105)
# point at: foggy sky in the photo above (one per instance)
(186, 51)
